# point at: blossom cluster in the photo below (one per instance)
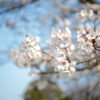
(84, 14)
(62, 63)
(87, 39)
(62, 52)
(58, 36)
(30, 52)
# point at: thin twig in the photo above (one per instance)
(47, 72)
(19, 6)
(88, 59)
(94, 45)
(89, 67)
(98, 46)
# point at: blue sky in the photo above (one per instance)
(14, 80)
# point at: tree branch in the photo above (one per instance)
(88, 60)
(47, 72)
(19, 6)
(89, 67)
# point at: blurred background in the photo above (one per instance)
(36, 18)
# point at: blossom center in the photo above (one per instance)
(87, 45)
(64, 63)
(62, 55)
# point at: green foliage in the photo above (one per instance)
(51, 91)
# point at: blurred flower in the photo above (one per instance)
(88, 46)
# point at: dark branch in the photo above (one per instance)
(47, 72)
(88, 1)
(88, 59)
(16, 7)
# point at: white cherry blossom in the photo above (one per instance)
(32, 41)
(81, 33)
(92, 35)
(82, 15)
(64, 45)
(80, 42)
(58, 54)
(88, 46)
(69, 70)
(61, 65)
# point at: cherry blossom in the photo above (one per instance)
(63, 52)
(88, 46)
